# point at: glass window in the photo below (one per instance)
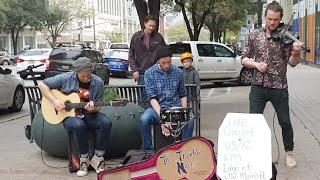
(222, 51)
(179, 48)
(206, 50)
(29, 42)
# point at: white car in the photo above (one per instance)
(12, 94)
(213, 61)
(33, 57)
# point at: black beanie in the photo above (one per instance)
(163, 51)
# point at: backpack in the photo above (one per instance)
(135, 155)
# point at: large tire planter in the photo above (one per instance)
(124, 135)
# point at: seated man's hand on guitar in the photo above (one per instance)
(58, 105)
(90, 107)
(166, 129)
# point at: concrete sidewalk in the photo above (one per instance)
(21, 160)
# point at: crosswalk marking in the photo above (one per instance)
(210, 92)
(228, 90)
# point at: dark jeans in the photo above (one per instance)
(99, 123)
(279, 98)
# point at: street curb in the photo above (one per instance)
(15, 118)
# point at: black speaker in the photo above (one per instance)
(160, 140)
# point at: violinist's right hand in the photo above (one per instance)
(261, 66)
(58, 105)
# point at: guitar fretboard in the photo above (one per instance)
(101, 103)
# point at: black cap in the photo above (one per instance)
(163, 51)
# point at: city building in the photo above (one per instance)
(110, 20)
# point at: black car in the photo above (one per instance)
(61, 60)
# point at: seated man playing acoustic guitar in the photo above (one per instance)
(92, 89)
(165, 88)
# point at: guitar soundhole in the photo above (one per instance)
(68, 105)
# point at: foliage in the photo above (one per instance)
(21, 13)
(114, 37)
(110, 94)
(227, 15)
(59, 15)
(194, 14)
(177, 33)
(3, 17)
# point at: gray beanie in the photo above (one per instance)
(82, 64)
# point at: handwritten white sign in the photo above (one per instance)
(244, 148)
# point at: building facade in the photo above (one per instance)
(27, 39)
(306, 23)
(117, 18)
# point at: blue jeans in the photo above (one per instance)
(98, 122)
(149, 118)
(141, 79)
(188, 130)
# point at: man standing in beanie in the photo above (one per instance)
(91, 89)
(143, 48)
(165, 88)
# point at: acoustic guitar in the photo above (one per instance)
(72, 102)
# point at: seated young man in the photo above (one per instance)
(165, 88)
(91, 89)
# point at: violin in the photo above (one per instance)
(286, 35)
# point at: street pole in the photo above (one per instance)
(94, 25)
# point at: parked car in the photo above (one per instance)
(12, 93)
(4, 58)
(61, 60)
(213, 61)
(119, 46)
(33, 57)
(117, 60)
(13, 58)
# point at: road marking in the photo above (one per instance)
(228, 90)
(210, 92)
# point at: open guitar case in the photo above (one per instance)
(193, 158)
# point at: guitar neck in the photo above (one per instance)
(101, 103)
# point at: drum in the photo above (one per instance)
(175, 115)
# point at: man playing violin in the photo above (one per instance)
(269, 58)
(91, 89)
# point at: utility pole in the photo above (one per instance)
(94, 24)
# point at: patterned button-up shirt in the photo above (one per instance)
(167, 87)
(274, 53)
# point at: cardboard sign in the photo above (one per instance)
(244, 148)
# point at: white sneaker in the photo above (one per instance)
(291, 163)
(97, 163)
(84, 164)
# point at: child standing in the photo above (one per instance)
(191, 76)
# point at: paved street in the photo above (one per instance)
(23, 160)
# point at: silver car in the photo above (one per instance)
(12, 94)
(4, 58)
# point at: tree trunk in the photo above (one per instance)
(14, 39)
(224, 36)
(142, 11)
(211, 34)
(154, 9)
(216, 35)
